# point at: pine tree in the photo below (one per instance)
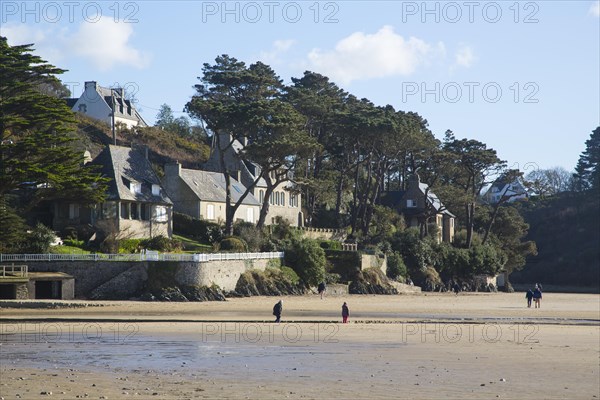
(35, 133)
(588, 166)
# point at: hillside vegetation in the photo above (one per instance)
(566, 231)
(164, 146)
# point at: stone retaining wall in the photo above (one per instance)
(122, 280)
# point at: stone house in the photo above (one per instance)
(136, 204)
(201, 194)
(98, 102)
(284, 202)
(420, 206)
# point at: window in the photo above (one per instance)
(277, 198)
(73, 211)
(135, 187)
(108, 210)
(125, 211)
(160, 214)
(210, 211)
(155, 190)
(261, 194)
(283, 198)
(134, 211)
(250, 215)
(411, 203)
(144, 212)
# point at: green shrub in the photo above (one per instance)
(396, 267)
(254, 237)
(38, 240)
(344, 263)
(332, 278)
(74, 243)
(162, 243)
(205, 231)
(290, 274)
(330, 245)
(307, 258)
(233, 244)
(130, 246)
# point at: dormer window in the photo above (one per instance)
(155, 190)
(411, 203)
(135, 187)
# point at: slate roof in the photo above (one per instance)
(125, 165)
(210, 186)
(396, 199)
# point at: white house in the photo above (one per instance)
(510, 190)
(98, 102)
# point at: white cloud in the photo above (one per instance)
(104, 43)
(47, 43)
(464, 57)
(595, 9)
(382, 54)
(273, 56)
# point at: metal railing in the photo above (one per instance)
(144, 256)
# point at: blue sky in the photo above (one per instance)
(521, 76)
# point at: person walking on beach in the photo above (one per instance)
(537, 296)
(277, 311)
(345, 313)
(322, 288)
(456, 288)
(529, 296)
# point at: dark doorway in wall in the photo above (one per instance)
(8, 291)
(48, 289)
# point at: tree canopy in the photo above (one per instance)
(35, 133)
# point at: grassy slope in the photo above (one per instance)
(164, 147)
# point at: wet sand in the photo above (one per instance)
(425, 346)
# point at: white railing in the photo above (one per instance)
(13, 271)
(145, 256)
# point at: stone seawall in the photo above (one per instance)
(126, 279)
(88, 274)
(225, 274)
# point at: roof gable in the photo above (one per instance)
(210, 186)
(126, 166)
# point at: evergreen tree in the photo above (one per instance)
(35, 133)
(588, 166)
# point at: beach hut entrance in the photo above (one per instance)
(48, 289)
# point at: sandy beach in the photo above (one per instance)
(427, 346)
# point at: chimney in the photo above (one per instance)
(173, 169)
(141, 148)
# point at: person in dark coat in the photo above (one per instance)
(537, 297)
(277, 311)
(345, 313)
(321, 288)
(456, 288)
(529, 296)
